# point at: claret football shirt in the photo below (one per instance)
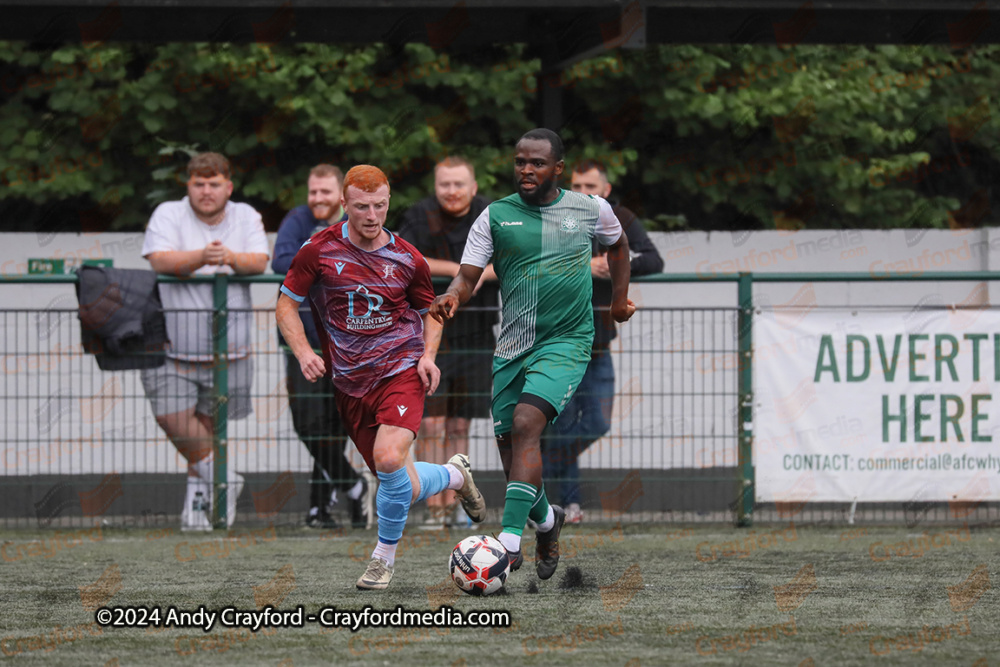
(369, 305)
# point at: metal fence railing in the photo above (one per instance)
(82, 445)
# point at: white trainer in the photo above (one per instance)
(472, 500)
(377, 576)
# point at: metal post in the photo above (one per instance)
(550, 96)
(745, 492)
(220, 390)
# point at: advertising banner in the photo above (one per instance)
(877, 405)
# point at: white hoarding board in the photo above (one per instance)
(877, 405)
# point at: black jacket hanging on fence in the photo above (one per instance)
(121, 317)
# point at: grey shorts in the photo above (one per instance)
(178, 385)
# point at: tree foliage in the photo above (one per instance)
(810, 136)
(700, 137)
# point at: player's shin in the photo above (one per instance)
(518, 500)
(392, 503)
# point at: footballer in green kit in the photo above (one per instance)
(539, 241)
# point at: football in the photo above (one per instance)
(479, 565)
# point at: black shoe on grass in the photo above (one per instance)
(321, 520)
(516, 560)
(547, 546)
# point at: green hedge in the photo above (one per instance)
(696, 137)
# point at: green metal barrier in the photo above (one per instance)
(744, 483)
(220, 343)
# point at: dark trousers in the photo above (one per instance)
(318, 425)
(584, 420)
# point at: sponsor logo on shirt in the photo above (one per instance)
(515, 223)
(365, 315)
(340, 266)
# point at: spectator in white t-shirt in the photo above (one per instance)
(203, 234)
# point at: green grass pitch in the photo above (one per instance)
(627, 596)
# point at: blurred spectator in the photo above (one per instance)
(313, 405)
(587, 417)
(439, 226)
(203, 234)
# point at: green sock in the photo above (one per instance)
(517, 503)
(540, 509)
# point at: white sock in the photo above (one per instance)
(333, 498)
(356, 490)
(549, 523)
(456, 480)
(204, 468)
(510, 541)
(192, 486)
(386, 552)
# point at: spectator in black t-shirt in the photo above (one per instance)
(439, 226)
(587, 416)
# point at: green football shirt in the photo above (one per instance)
(541, 255)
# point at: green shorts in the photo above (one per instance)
(551, 371)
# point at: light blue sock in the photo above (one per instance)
(392, 503)
(434, 478)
